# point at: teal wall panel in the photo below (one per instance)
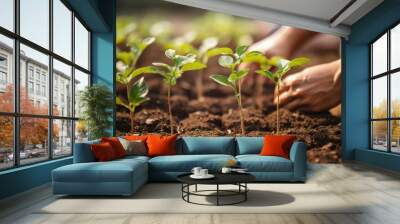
(24, 178)
(356, 99)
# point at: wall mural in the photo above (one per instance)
(200, 73)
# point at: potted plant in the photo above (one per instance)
(232, 60)
(283, 66)
(96, 101)
(170, 73)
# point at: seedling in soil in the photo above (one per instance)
(170, 73)
(129, 59)
(283, 66)
(232, 60)
(137, 95)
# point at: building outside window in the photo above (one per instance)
(30, 72)
(385, 94)
(30, 87)
(57, 127)
(3, 72)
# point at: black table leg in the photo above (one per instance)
(245, 193)
(217, 194)
(195, 188)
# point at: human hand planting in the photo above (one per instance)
(313, 89)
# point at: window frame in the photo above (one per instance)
(388, 74)
(16, 114)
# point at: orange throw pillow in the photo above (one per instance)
(161, 145)
(103, 152)
(116, 145)
(136, 137)
(277, 145)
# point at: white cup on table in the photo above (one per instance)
(197, 171)
(203, 172)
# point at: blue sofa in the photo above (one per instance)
(125, 176)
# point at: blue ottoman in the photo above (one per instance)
(118, 177)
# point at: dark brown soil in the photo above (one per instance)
(217, 113)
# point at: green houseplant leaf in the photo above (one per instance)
(95, 102)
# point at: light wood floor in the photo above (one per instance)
(379, 189)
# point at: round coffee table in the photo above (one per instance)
(238, 179)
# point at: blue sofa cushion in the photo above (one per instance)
(206, 145)
(249, 145)
(111, 171)
(185, 163)
(83, 153)
(257, 163)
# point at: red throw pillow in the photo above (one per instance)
(103, 152)
(277, 145)
(116, 145)
(161, 145)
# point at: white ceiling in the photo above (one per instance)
(320, 9)
(326, 16)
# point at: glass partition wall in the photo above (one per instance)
(385, 91)
(44, 64)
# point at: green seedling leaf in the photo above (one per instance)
(137, 93)
(267, 74)
(225, 61)
(219, 51)
(241, 50)
(170, 53)
(208, 44)
(120, 102)
(147, 41)
(297, 62)
(125, 57)
(279, 62)
(190, 58)
(233, 77)
(159, 64)
(143, 70)
(193, 66)
(223, 80)
(255, 57)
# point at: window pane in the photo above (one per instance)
(81, 45)
(62, 29)
(6, 142)
(379, 97)
(34, 97)
(7, 14)
(35, 21)
(62, 138)
(395, 94)
(81, 132)
(62, 89)
(81, 81)
(6, 74)
(379, 55)
(33, 139)
(395, 47)
(395, 132)
(379, 135)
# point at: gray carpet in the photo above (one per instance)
(166, 198)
